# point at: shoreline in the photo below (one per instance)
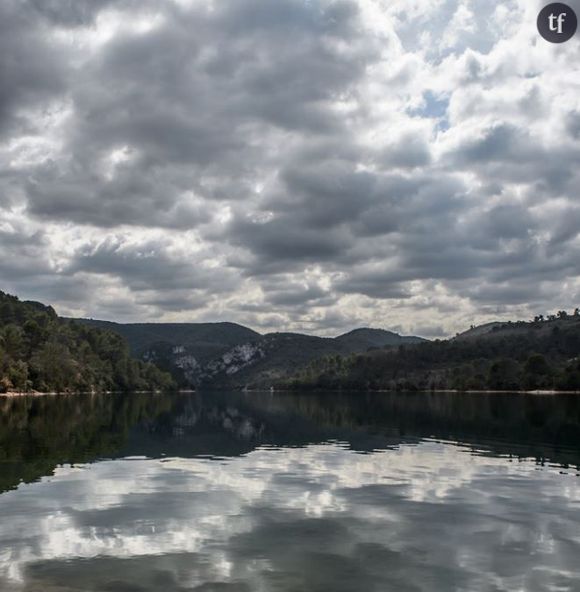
(14, 394)
(11, 394)
(456, 391)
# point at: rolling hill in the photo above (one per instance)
(227, 355)
(543, 354)
(202, 340)
(362, 339)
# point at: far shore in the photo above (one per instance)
(55, 393)
(467, 392)
(9, 394)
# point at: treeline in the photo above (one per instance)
(526, 360)
(41, 352)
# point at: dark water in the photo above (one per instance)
(260, 492)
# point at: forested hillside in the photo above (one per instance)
(202, 340)
(540, 355)
(228, 355)
(41, 352)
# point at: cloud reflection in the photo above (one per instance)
(430, 516)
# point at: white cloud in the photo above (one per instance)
(253, 143)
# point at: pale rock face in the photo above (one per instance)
(186, 362)
(231, 362)
(237, 358)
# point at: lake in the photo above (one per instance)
(290, 492)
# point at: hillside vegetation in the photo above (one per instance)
(228, 355)
(203, 340)
(41, 352)
(540, 355)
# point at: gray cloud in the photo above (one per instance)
(69, 13)
(410, 151)
(32, 69)
(287, 160)
(148, 266)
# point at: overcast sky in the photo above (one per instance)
(309, 165)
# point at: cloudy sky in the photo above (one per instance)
(310, 165)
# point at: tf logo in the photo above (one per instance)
(557, 22)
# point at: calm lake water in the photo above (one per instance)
(290, 492)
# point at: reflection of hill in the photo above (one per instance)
(37, 434)
(543, 427)
(218, 424)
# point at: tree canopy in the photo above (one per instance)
(39, 351)
(541, 355)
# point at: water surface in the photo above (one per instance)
(289, 492)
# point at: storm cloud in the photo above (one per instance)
(290, 165)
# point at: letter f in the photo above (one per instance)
(561, 17)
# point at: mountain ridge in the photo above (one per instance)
(41, 351)
(232, 355)
(542, 354)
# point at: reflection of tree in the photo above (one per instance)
(542, 427)
(39, 433)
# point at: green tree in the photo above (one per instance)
(40, 351)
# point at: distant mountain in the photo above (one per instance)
(279, 355)
(479, 331)
(202, 340)
(268, 359)
(362, 339)
(230, 355)
(540, 327)
(543, 354)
